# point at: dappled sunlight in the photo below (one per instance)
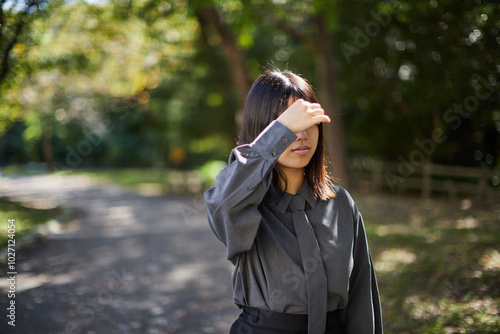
(433, 237)
(490, 261)
(467, 223)
(437, 263)
(402, 229)
(25, 282)
(122, 215)
(435, 267)
(150, 189)
(182, 275)
(391, 260)
(455, 317)
(409, 230)
(116, 116)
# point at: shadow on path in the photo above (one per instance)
(130, 264)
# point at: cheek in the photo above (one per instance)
(282, 159)
(313, 134)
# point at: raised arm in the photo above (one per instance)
(232, 203)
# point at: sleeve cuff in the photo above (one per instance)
(273, 141)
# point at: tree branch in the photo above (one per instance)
(17, 29)
(2, 20)
(208, 16)
(290, 30)
(6, 52)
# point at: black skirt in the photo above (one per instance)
(257, 321)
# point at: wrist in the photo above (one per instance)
(285, 122)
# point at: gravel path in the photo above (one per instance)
(128, 264)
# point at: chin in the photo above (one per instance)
(295, 163)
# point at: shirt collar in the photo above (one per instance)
(306, 191)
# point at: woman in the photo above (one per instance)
(297, 242)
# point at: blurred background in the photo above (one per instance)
(148, 94)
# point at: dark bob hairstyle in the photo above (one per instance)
(267, 99)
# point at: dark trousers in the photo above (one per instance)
(256, 321)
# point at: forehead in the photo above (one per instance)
(291, 100)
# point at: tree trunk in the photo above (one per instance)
(208, 16)
(6, 50)
(326, 67)
(47, 149)
(328, 96)
(327, 75)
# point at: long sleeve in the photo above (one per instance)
(363, 312)
(232, 204)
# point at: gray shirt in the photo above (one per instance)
(258, 233)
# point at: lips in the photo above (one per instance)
(301, 150)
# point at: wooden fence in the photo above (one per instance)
(427, 178)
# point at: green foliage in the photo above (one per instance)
(408, 66)
(155, 181)
(209, 171)
(437, 264)
(26, 219)
(141, 84)
(402, 67)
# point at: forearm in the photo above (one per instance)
(232, 203)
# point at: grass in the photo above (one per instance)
(437, 264)
(150, 181)
(147, 181)
(437, 261)
(26, 219)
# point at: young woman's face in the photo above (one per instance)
(300, 152)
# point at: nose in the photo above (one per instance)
(302, 135)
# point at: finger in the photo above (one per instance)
(321, 119)
(317, 112)
(315, 106)
(299, 101)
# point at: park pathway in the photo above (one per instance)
(127, 264)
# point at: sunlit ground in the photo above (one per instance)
(27, 218)
(437, 263)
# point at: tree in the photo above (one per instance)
(81, 67)
(305, 22)
(418, 71)
(209, 17)
(389, 63)
(388, 76)
(15, 18)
